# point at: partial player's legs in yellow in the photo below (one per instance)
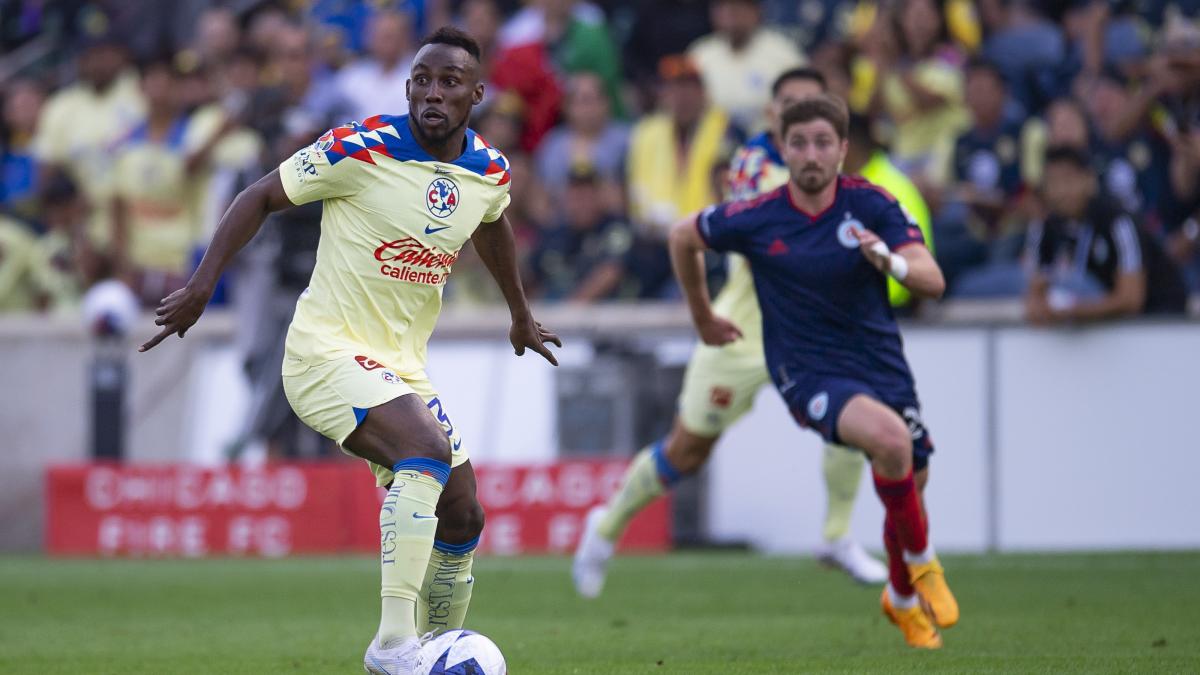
(656, 468)
(446, 591)
(843, 469)
(403, 434)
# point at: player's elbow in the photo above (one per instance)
(684, 239)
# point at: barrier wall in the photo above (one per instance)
(1047, 439)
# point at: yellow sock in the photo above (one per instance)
(406, 529)
(446, 593)
(843, 472)
(644, 480)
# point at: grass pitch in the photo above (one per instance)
(680, 614)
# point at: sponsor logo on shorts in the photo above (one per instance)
(367, 362)
(817, 406)
(409, 260)
(916, 426)
(845, 231)
(721, 397)
(390, 377)
(435, 407)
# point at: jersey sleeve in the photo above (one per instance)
(896, 226)
(312, 174)
(724, 227)
(499, 204)
(1125, 241)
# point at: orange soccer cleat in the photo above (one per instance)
(913, 622)
(930, 581)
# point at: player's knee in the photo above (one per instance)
(430, 443)
(462, 522)
(892, 445)
(687, 452)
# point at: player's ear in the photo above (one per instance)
(477, 95)
(408, 90)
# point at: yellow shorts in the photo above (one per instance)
(719, 386)
(333, 398)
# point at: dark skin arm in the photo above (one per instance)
(497, 249)
(181, 309)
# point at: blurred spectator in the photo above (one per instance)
(499, 121)
(217, 36)
(376, 84)
(1028, 48)
(741, 59)
(670, 164)
(547, 39)
(866, 158)
(1131, 144)
(297, 93)
(660, 28)
(589, 137)
(583, 257)
(155, 175)
(42, 272)
(983, 204)
(82, 123)
(1088, 239)
(23, 101)
(915, 75)
(481, 20)
(671, 153)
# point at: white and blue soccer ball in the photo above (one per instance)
(461, 652)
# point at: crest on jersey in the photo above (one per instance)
(845, 231)
(442, 197)
(817, 406)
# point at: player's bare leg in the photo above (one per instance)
(842, 469)
(884, 436)
(446, 592)
(655, 469)
(402, 434)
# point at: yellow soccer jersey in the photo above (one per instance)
(756, 168)
(393, 224)
(150, 177)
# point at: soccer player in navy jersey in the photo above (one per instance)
(820, 249)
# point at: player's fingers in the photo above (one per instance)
(547, 336)
(545, 352)
(519, 350)
(155, 340)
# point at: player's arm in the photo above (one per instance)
(687, 259)
(180, 310)
(496, 246)
(912, 265)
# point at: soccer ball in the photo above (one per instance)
(461, 652)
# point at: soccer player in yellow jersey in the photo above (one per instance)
(401, 196)
(721, 382)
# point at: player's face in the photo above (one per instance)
(442, 89)
(791, 91)
(813, 154)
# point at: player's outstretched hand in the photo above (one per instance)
(873, 249)
(530, 334)
(718, 331)
(176, 314)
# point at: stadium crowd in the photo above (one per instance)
(1056, 143)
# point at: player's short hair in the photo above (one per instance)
(1068, 154)
(449, 35)
(810, 74)
(822, 107)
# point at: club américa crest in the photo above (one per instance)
(441, 198)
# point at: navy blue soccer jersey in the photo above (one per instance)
(825, 308)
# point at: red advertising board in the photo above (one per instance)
(280, 509)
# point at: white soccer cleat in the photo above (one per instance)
(848, 555)
(398, 658)
(592, 556)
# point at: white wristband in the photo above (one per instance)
(899, 266)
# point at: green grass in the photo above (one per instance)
(679, 614)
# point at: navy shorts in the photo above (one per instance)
(817, 401)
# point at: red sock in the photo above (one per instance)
(903, 508)
(897, 569)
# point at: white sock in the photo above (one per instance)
(901, 601)
(923, 558)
